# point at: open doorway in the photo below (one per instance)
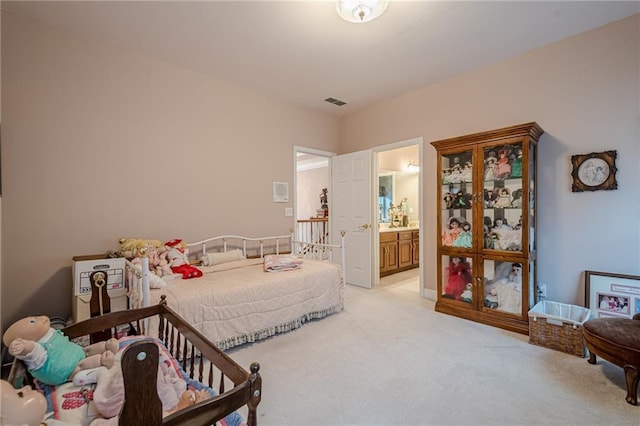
(313, 194)
(398, 216)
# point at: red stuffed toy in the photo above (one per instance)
(179, 261)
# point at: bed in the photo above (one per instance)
(237, 302)
(179, 346)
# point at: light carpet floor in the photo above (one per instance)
(390, 359)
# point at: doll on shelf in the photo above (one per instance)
(464, 239)
(490, 197)
(467, 294)
(455, 175)
(516, 202)
(504, 199)
(516, 165)
(467, 172)
(462, 200)
(449, 200)
(502, 168)
(489, 166)
(459, 275)
(450, 234)
(446, 175)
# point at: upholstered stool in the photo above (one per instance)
(618, 341)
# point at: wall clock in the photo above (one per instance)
(595, 171)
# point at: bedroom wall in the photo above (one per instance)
(100, 143)
(584, 92)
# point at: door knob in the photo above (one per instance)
(365, 226)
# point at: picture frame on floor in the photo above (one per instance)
(612, 295)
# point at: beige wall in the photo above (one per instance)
(584, 92)
(99, 143)
(87, 129)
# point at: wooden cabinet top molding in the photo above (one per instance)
(532, 130)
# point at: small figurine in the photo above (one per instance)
(467, 294)
(490, 197)
(504, 199)
(516, 165)
(516, 202)
(464, 239)
(449, 200)
(462, 201)
(467, 172)
(449, 235)
(502, 168)
(459, 275)
(489, 166)
(324, 199)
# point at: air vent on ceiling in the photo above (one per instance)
(335, 101)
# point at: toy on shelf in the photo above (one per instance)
(450, 234)
(459, 275)
(464, 239)
(502, 168)
(504, 199)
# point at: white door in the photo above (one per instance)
(351, 211)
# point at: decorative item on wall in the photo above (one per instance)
(280, 192)
(595, 171)
(612, 295)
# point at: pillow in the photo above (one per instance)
(210, 259)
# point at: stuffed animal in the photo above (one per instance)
(50, 356)
(24, 407)
(133, 247)
(179, 260)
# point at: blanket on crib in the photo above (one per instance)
(274, 262)
(83, 405)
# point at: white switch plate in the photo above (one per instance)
(288, 211)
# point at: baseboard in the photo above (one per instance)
(430, 294)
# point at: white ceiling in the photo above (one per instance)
(302, 52)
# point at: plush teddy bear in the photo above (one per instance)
(50, 356)
(179, 260)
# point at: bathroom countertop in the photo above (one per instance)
(399, 229)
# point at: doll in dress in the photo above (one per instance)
(449, 235)
(502, 168)
(504, 199)
(459, 275)
(467, 172)
(464, 239)
(489, 166)
(490, 197)
(516, 202)
(516, 165)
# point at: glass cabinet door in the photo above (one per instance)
(502, 197)
(502, 289)
(456, 199)
(457, 278)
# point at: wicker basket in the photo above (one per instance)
(558, 326)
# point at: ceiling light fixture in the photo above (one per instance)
(361, 11)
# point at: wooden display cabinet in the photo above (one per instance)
(487, 221)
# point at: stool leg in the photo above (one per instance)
(632, 376)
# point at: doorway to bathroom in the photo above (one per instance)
(398, 215)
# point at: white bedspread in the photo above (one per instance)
(238, 302)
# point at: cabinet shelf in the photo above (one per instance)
(487, 217)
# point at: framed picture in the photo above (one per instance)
(595, 171)
(612, 295)
(280, 192)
